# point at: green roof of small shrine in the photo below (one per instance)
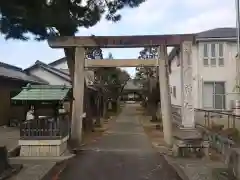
(43, 93)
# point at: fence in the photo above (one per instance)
(45, 128)
(218, 127)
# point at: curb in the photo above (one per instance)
(13, 151)
(47, 158)
(177, 169)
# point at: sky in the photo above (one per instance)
(152, 17)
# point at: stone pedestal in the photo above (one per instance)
(189, 141)
(35, 148)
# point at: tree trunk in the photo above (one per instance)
(98, 118)
(70, 53)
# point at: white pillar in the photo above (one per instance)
(188, 119)
(165, 94)
(78, 95)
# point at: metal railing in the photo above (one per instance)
(216, 126)
(46, 128)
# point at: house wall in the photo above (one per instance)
(226, 73)
(201, 74)
(7, 111)
(174, 81)
(89, 75)
(49, 77)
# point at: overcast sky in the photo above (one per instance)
(152, 17)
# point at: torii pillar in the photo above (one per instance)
(165, 94)
(187, 105)
(78, 96)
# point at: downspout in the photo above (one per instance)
(182, 82)
(199, 91)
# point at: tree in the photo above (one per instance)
(148, 78)
(46, 18)
(112, 78)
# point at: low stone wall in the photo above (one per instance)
(36, 148)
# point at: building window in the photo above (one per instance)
(213, 55)
(205, 55)
(214, 95)
(220, 55)
(174, 92)
(178, 60)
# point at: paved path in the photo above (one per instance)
(123, 153)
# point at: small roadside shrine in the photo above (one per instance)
(131, 91)
(47, 132)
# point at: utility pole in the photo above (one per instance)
(237, 26)
(236, 88)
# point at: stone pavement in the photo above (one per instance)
(34, 170)
(124, 152)
(196, 169)
(9, 137)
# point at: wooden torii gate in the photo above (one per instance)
(81, 43)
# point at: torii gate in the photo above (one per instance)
(160, 41)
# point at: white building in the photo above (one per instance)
(213, 62)
(56, 73)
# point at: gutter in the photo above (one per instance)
(217, 38)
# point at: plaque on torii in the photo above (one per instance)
(188, 116)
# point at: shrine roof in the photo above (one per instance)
(43, 93)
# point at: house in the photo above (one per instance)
(56, 73)
(213, 63)
(12, 79)
(131, 91)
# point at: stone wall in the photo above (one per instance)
(36, 148)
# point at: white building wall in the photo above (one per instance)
(174, 81)
(202, 74)
(89, 75)
(49, 77)
(226, 73)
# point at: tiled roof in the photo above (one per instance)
(43, 93)
(59, 61)
(63, 73)
(51, 69)
(13, 72)
(212, 33)
(218, 33)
